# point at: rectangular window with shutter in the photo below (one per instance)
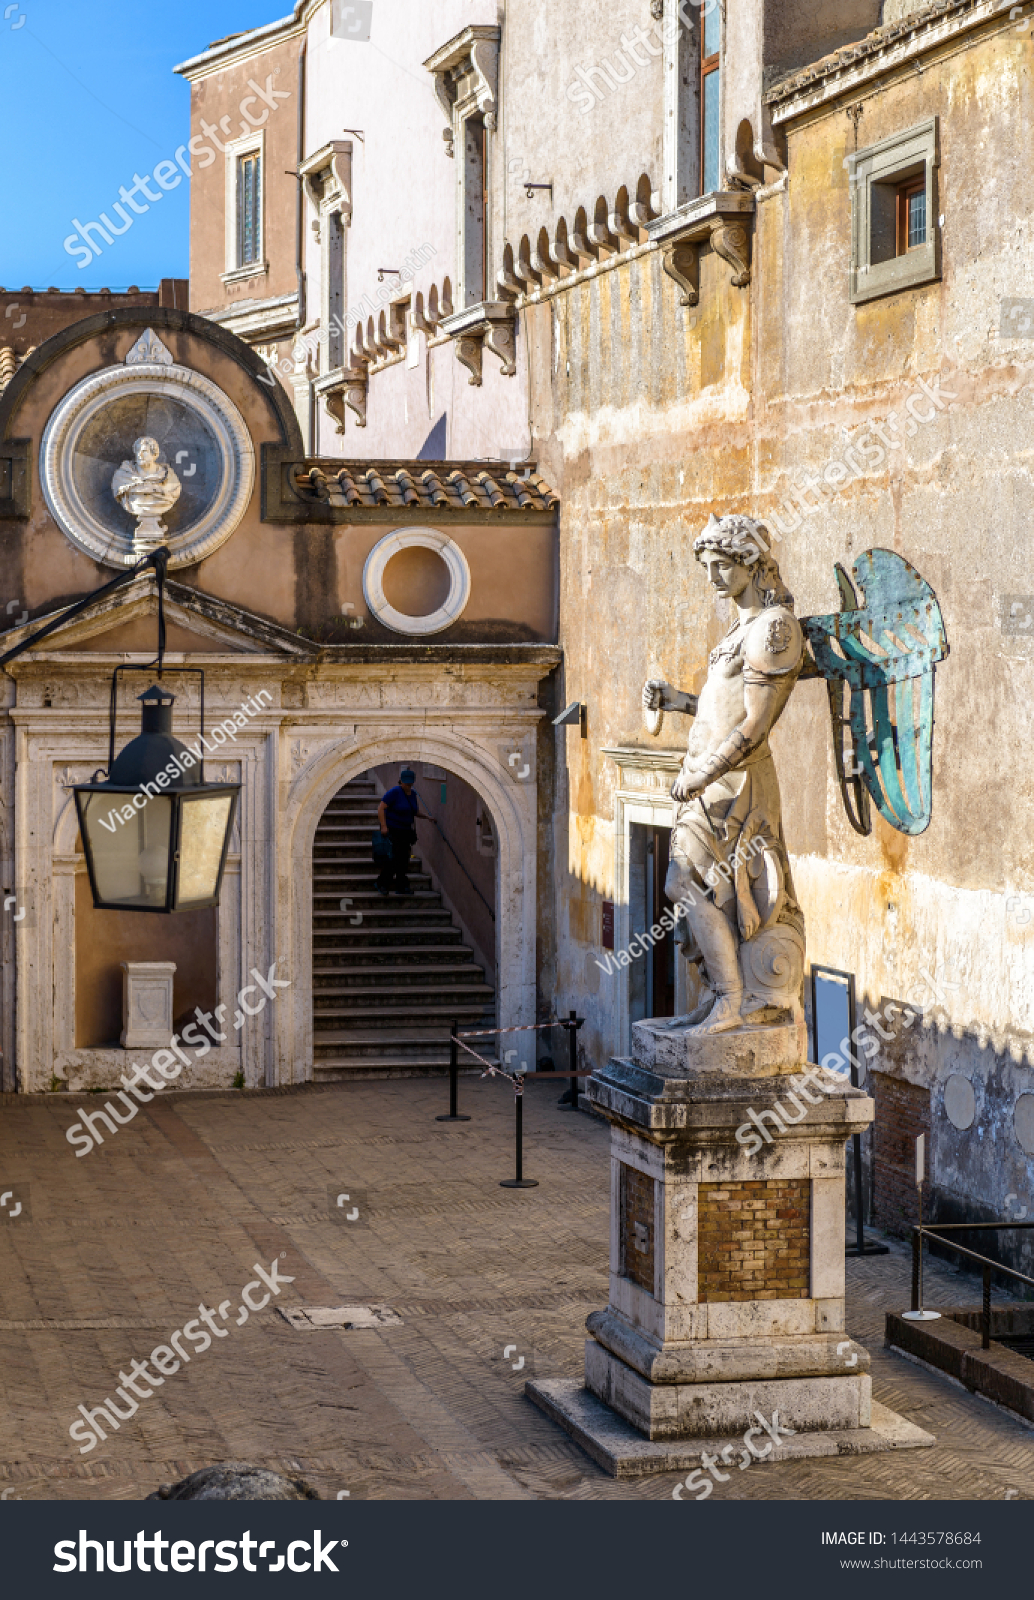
(710, 100)
(895, 227)
(249, 212)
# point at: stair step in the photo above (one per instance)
(386, 911)
(398, 971)
(334, 1071)
(370, 938)
(386, 990)
(407, 1040)
(394, 1016)
(405, 997)
(407, 973)
(366, 882)
(377, 952)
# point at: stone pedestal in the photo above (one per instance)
(147, 1004)
(727, 1258)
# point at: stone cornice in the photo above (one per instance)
(241, 47)
(638, 758)
(855, 66)
(696, 219)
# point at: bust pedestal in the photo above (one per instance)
(726, 1259)
(147, 1004)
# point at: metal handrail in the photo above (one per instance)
(989, 1266)
(462, 867)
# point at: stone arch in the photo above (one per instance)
(514, 815)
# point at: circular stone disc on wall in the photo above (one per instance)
(456, 575)
(1023, 1122)
(202, 440)
(960, 1102)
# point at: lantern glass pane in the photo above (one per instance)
(203, 826)
(130, 852)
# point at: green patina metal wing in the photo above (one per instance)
(883, 652)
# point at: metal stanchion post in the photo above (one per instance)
(570, 1099)
(985, 1318)
(917, 1314)
(519, 1181)
(454, 1051)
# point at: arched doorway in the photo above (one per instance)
(322, 767)
(392, 972)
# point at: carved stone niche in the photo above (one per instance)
(721, 220)
(490, 325)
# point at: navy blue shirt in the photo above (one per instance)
(400, 808)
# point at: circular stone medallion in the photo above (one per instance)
(201, 437)
(1023, 1122)
(456, 573)
(960, 1102)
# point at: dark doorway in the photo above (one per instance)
(651, 977)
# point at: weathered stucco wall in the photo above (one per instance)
(226, 96)
(927, 396)
(650, 430)
(652, 417)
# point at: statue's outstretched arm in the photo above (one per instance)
(661, 696)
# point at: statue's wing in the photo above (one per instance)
(884, 652)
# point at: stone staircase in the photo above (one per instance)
(385, 990)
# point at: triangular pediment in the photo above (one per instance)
(139, 634)
(126, 623)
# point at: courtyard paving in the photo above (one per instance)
(114, 1251)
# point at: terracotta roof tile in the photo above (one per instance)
(447, 486)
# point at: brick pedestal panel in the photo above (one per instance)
(754, 1240)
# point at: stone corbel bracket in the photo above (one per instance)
(466, 79)
(348, 386)
(492, 324)
(327, 176)
(722, 220)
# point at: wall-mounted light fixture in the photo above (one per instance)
(575, 712)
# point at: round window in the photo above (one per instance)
(416, 580)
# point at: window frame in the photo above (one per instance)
(236, 150)
(709, 66)
(245, 201)
(905, 192)
(475, 177)
(895, 163)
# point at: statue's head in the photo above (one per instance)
(736, 551)
(146, 451)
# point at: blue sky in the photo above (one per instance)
(88, 99)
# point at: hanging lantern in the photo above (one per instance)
(155, 834)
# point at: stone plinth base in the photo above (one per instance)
(730, 1359)
(726, 1313)
(669, 1410)
(662, 1045)
(623, 1451)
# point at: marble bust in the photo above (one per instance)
(146, 488)
(729, 871)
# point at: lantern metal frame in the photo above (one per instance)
(179, 794)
